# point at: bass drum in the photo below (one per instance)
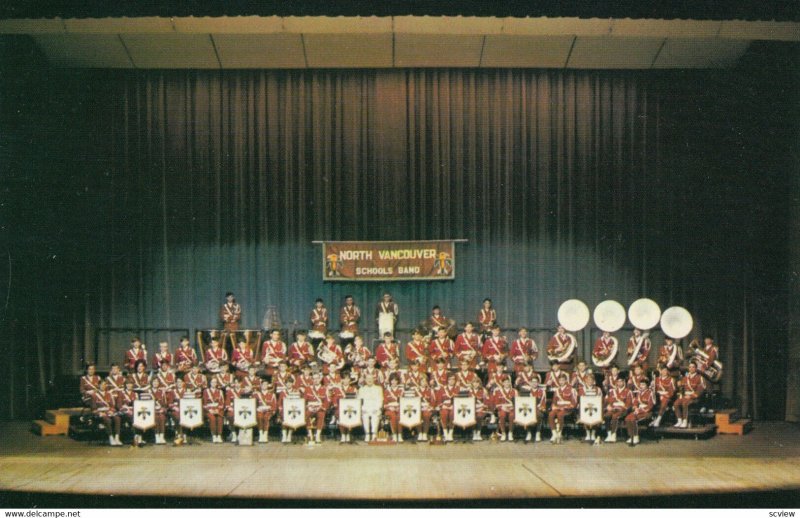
(676, 322)
(573, 314)
(644, 314)
(609, 316)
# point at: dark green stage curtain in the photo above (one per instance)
(566, 184)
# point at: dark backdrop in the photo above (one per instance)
(137, 198)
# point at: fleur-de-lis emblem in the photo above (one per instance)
(244, 413)
(349, 412)
(143, 413)
(294, 411)
(464, 410)
(410, 410)
(525, 409)
(190, 412)
(590, 409)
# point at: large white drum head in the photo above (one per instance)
(609, 316)
(573, 315)
(676, 322)
(644, 314)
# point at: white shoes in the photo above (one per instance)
(635, 439)
(232, 437)
(510, 437)
(612, 437)
(111, 441)
(423, 436)
(538, 437)
(160, 439)
(588, 436)
(656, 422)
(476, 435)
(262, 436)
(629, 441)
(502, 437)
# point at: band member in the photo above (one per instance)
(487, 318)
(357, 354)
(387, 350)
(444, 402)
(371, 370)
(162, 356)
(140, 378)
(115, 379)
(391, 407)
(552, 376)
(561, 348)
(670, 355)
(213, 406)
(104, 406)
(494, 349)
(564, 402)
(693, 385)
(439, 374)
(251, 382)
(300, 352)
(482, 406)
(335, 394)
(349, 316)
(665, 387)
(330, 355)
(195, 380)
(441, 346)
(319, 321)
(273, 352)
(497, 377)
(637, 376)
(233, 392)
(503, 403)
(215, 356)
(707, 356)
(580, 374)
(242, 358)
(90, 383)
(619, 401)
(177, 393)
(468, 346)
(284, 381)
(125, 399)
(392, 368)
(386, 313)
(136, 353)
(160, 394)
(540, 393)
(185, 357)
(610, 379)
(165, 377)
(413, 377)
(230, 313)
(523, 350)
(640, 344)
(642, 410)
(437, 321)
(224, 377)
(304, 380)
(427, 398)
(316, 397)
(417, 351)
(465, 377)
(525, 378)
(604, 350)
(266, 407)
(590, 389)
(371, 396)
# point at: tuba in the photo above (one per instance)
(609, 316)
(600, 362)
(711, 372)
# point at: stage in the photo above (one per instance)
(765, 461)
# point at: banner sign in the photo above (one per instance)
(388, 260)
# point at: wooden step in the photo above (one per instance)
(57, 417)
(739, 427)
(726, 416)
(43, 428)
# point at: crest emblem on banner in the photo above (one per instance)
(410, 411)
(294, 412)
(350, 412)
(443, 264)
(144, 414)
(464, 411)
(591, 410)
(244, 412)
(525, 410)
(191, 413)
(332, 265)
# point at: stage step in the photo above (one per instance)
(726, 416)
(55, 422)
(739, 427)
(697, 432)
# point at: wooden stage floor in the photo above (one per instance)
(766, 460)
